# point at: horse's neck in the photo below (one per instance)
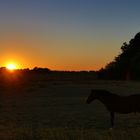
(105, 99)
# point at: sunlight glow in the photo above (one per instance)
(11, 66)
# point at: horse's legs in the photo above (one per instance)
(112, 119)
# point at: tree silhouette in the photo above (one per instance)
(127, 64)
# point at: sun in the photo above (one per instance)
(11, 66)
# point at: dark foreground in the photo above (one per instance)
(41, 110)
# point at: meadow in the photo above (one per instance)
(42, 109)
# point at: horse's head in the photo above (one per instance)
(98, 94)
(93, 96)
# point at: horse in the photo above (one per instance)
(115, 103)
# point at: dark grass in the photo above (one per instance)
(58, 111)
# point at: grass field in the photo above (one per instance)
(56, 110)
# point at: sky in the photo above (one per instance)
(65, 34)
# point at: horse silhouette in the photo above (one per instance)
(115, 103)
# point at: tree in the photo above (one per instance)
(127, 64)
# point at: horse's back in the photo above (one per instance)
(135, 99)
(125, 104)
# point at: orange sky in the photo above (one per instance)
(25, 52)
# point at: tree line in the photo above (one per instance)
(125, 66)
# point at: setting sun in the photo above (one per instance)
(11, 66)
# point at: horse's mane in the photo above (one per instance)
(105, 92)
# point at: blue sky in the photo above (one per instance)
(66, 34)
